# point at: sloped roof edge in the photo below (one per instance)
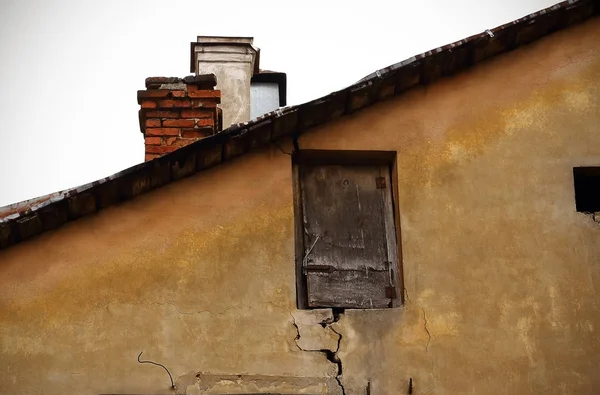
(24, 220)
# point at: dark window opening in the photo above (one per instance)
(587, 189)
(346, 235)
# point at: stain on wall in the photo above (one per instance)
(500, 270)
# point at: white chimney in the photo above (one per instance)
(234, 60)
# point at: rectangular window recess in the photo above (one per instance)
(347, 237)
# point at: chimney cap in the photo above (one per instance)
(223, 40)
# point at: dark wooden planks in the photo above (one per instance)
(348, 289)
(344, 223)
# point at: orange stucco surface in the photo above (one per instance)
(500, 270)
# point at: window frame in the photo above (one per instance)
(354, 158)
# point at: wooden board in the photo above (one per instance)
(345, 211)
(346, 228)
(348, 289)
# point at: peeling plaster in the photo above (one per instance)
(201, 383)
(305, 322)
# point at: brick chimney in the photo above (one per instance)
(178, 111)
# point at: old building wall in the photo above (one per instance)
(500, 270)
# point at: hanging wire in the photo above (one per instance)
(309, 251)
(158, 364)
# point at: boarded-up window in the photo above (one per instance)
(348, 245)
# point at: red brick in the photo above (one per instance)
(161, 80)
(153, 141)
(196, 133)
(153, 93)
(160, 149)
(162, 114)
(197, 113)
(149, 104)
(182, 142)
(151, 156)
(179, 123)
(162, 132)
(204, 94)
(153, 123)
(174, 104)
(178, 93)
(206, 103)
(169, 140)
(205, 122)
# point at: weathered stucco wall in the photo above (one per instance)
(500, 270)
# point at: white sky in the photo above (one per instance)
(70, 70)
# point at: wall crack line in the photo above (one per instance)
(426, 330)
(407, 297)
(297, 333)
(331, 355)
(179, 311)
(336, 359)
(194, 312)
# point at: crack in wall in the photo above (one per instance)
(334, 358)
(431, 359)
(331, 355)
(282, 150)
(406, 296)
(175, 307)
(426, 330)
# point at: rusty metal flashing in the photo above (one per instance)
(26, 219)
